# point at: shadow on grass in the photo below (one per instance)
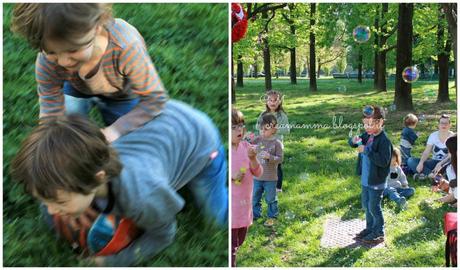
(343, 257)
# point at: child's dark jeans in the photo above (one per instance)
(395, 194)
(371, 200)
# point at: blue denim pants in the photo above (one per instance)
(371, 200)
(210, 189)
(428, 165)
(269, 187)
(111, 110)
(395, 194)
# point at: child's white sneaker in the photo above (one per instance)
(279, 190)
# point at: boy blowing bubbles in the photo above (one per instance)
(374, 159)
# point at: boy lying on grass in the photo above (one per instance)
(68, 165)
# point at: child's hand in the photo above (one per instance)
(360, 148)
(264, 155)
(252, 153)
(110, 134)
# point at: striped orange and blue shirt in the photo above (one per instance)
(125, 71)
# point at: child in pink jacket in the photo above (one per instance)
(244, 167)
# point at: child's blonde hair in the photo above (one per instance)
(59, 21)
(410, 120)
(396, 153)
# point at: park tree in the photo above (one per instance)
(444, 44)
(403, 90)
(312, 69)
(450, 9)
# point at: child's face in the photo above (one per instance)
(72, 55)
(237, 133)
(273, 102)
(268, 130)
(373, 126)
(69, 203)
(444, 124)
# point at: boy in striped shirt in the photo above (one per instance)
(88, 59)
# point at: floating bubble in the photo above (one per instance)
(304, 176)
(421, 118)
(410, 74)
(289, 215)
(392, 107)
(341, 89)
(361, 33)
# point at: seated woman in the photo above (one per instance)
(451, 171)
(436, 145)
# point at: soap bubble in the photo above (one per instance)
(289, 215)
(361, 33)
(410, 74)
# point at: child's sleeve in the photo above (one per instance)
(278, 156)
(363, 138)
(49, 88)
(283, 124)
(137, 67)
(402, 177)
(382, 156)
(154, 211)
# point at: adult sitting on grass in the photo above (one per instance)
(451, 172)
(423, 166)
(68, 165)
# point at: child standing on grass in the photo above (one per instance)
(67, 164)
(244, 167)
(270, 154)
(408, 137)
(274, 105)
(86, 58)
(398, 189)
(374, 159)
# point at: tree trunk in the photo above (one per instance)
(267, 67)
(292, 67)
(360, 67)
(319, 69)
(403, 90)
(450, 9)
(376, 52)
(443, 61)
(382, 55)
(239, 72)
(312, 69)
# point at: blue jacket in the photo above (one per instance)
(380, 156)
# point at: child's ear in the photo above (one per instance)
(101, 176)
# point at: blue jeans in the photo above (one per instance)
(405, 154)
(428, 165)
(210, 189)
(111, 110)
(371, 200)
(395, 194)
(270, 197)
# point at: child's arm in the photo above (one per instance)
(137, 68)
(353, 144)
(411, 137)
(154, 211)
(278, 156)
(403, 178)
(254, 165)
(283, 124)
(382, 156)
(50, 93)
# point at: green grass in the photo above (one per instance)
(320, 181)
(188, 44)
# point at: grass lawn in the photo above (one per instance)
(320, 181)
(189, 46)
